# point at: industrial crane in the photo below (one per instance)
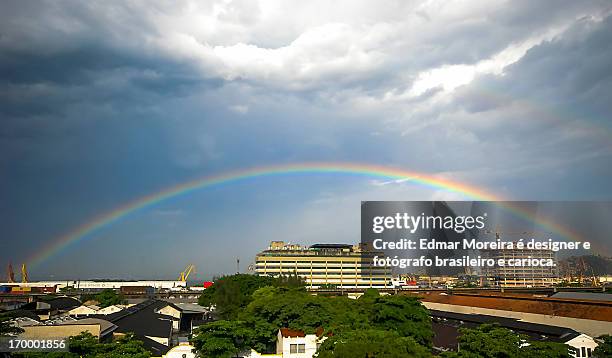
(24, 273)
(185, 273)
(10, 273)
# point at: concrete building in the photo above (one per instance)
(66, 327)
(324, 265)
(520, 275)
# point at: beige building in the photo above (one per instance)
(65, 328)
(324, 265)
(521, 275)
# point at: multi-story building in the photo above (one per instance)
(521, 275)
(324, 265)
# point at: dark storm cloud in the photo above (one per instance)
(104, 102)
(571, 73)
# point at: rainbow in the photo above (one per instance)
(83, 231)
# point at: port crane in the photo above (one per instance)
(10, 273)
(24, 273)
(186, 272)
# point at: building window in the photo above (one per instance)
(301, 348)
(293, 348)
(583, 351)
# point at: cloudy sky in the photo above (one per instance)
(105, 102)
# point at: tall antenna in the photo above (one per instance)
(237, 265)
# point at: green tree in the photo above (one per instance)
(369, 296)
(545, 349)
(406, 315)
(7, 328)
(126, 346)
(489, 341)
(84, 344)
(108, 297)
(278, 303)
(222, 339)
(371, 343)
(87, 346)
(604, 349)
(493, 341)
(230, 294)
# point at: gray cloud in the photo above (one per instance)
(102, 102)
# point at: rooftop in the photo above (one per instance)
(287, 332)
(331, 246)
(144, 321)
(600, 311)
(589, 296)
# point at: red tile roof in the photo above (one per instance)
(287, 332)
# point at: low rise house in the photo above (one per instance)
(293, 343)
(52, 308)
(65, 327)
(186, 314)
(147, 323)
(580, 345)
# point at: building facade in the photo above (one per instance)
(324, 265)
(524, 274)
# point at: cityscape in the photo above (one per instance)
(286, 179)
(569, 306)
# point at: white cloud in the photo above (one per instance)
(239, 108)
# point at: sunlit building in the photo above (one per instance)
(521, 275)
(324, 265)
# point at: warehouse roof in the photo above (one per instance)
(64, 303)
(547, 306)
(511, 323)
(106, 327)
(189, 307)
(590, 296)
(143, 320)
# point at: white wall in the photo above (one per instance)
(582, 341)
(310, 342)
(180, 351)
